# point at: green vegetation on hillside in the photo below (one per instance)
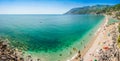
(118, 41)
(113, 11)
(119, 28)
(87, 9)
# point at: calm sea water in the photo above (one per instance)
(48, 34)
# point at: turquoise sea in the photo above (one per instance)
(49, 37)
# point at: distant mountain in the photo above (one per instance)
(88, 9)
(113, 10)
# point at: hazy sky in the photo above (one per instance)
(46, 6)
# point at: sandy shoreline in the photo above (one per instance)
(90, 43)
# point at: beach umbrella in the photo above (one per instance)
(108, 34)
(95, 60)
(106, 47)
(90, 60)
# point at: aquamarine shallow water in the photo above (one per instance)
(46, 33)
(112, 20)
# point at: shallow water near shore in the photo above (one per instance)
(51, 37)
(112, 20)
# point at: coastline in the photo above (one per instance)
(77, 56)
(69, 52)
(89, 47)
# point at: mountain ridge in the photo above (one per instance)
(111, 10)
(87, 9)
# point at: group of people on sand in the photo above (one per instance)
(8, 53)
(112, 54)
(109, 50)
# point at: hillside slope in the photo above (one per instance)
(87, 9)
(113, 11)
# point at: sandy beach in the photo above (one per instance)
(91, 51)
